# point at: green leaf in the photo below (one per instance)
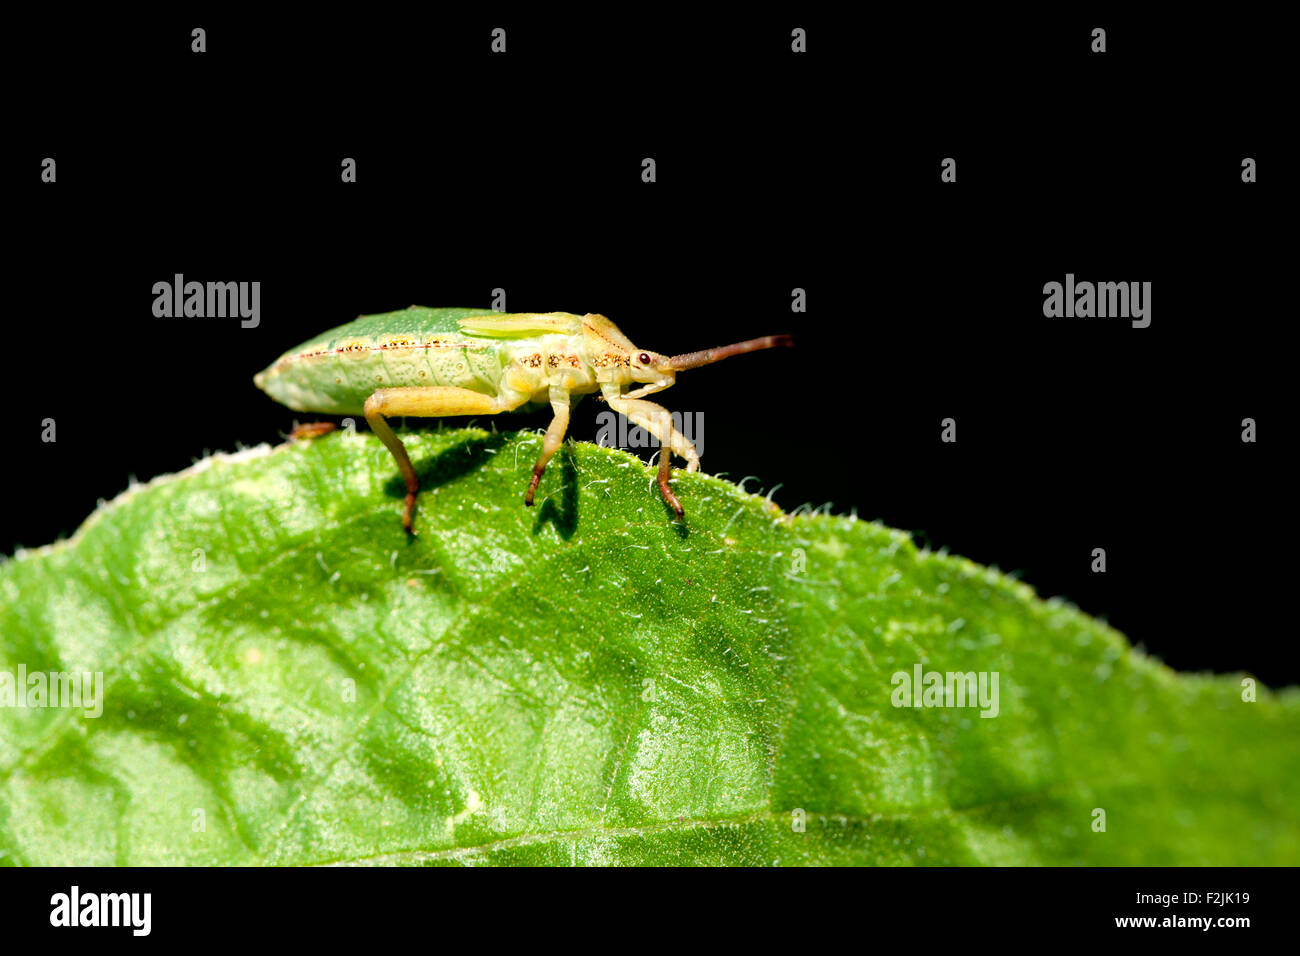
(289, 680)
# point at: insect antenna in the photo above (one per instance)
(708, 356)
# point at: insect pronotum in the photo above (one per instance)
(436, 362)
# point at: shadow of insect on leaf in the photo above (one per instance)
(565, 514)
(451, 464)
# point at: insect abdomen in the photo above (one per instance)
(336, 377)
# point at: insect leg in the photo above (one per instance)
(431, 402)
(311, 430)
(554, 438)
(656, 420)
(650, 389)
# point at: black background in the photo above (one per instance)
(775, 171)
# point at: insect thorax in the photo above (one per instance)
(534, 365)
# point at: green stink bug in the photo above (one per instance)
(436, 362)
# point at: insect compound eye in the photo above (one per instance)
(644, 358)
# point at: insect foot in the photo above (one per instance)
(671, 498)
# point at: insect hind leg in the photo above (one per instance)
(433, 401)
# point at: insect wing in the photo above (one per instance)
(520, 325)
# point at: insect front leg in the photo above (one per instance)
(554, 437)
(431, 402)
(645, 390)
(657, 421)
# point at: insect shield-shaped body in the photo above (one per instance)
(437, 362)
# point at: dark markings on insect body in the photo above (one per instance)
(357, 348)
